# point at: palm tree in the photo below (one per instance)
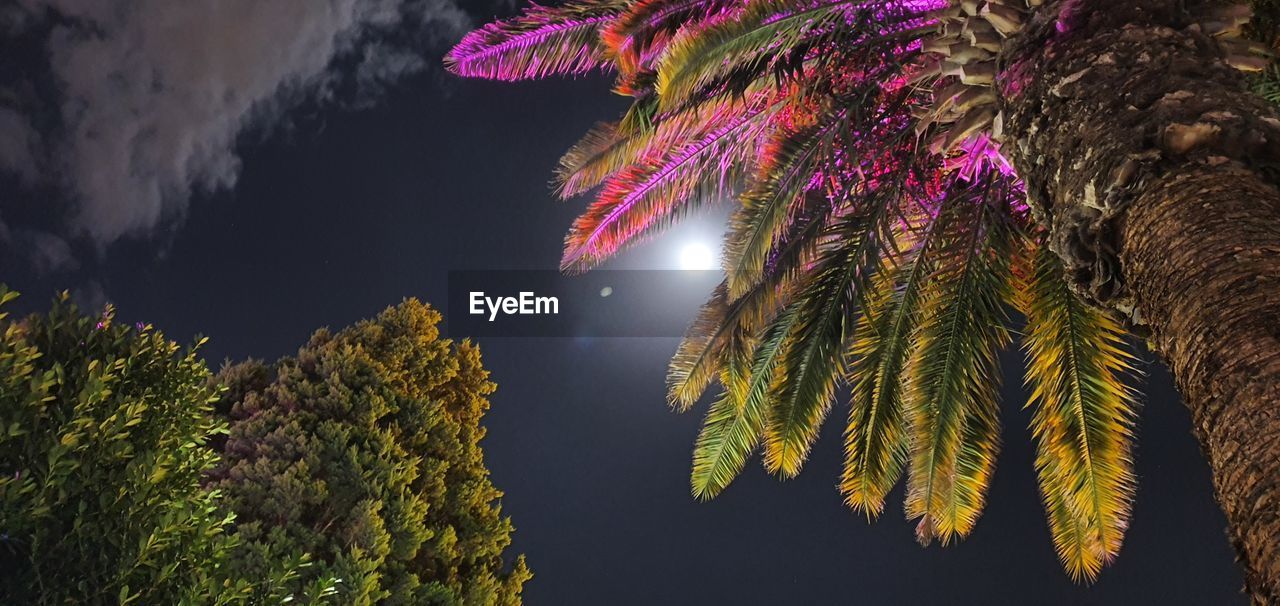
(904, 172)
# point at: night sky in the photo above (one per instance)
(347, 211)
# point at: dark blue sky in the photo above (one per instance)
(348, 212)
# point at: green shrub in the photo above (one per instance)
(363, 450)
(103, 432)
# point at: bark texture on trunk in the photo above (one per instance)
(1202, 256)
(1156, 169)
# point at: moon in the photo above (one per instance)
(697, 256)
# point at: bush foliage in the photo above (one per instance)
(363, 450)
(352, 473)
(103, 432)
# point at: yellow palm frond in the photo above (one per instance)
(1082, 417)
(702, 352)
(731, 430)
(951, 398)
(733, 426)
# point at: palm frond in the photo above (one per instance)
(540, 42)
(610, 148)
(701, 351)
(697, 57)
(589, 162)
(736, 432)
(835, 286)
(645, 197)
(732, 428)
(640, 33)
(876, 438)
(791, 160)
(829, 148)
(812, 366)
(1083, 416)
(778, 38)
(951, 399)
(796, 248)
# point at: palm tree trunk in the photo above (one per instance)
(1156, 170)
(1202, 255)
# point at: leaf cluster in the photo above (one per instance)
(362, 450)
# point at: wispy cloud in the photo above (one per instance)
(142, 101)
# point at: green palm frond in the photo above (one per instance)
(644, 198)
(598, 154)
(756, 225)
(701, 351)
(732, 429)
(773, 39)
(876, 439)
(827, 308)
(796, 247)
(1083, 416)
(951, 398)
(718, 461)
(697, 58)
(787, 180)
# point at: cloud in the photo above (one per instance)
(16, 142)
(42, 251)
(143, 100)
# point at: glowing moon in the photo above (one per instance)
(697, 256)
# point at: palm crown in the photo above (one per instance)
(877, 241)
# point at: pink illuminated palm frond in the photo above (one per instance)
(539, 43)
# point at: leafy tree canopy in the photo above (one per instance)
(103, 431)
(363, 450)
